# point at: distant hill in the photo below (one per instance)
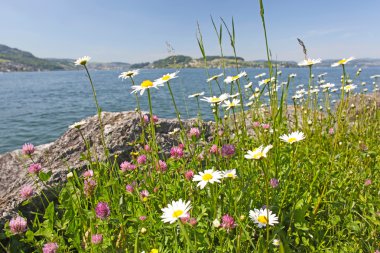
(13, 59)
(182, 61)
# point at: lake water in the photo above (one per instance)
(38, 107)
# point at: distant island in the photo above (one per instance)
(13, 60)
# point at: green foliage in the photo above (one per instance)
(326, 199)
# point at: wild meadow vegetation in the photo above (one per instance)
(269, 177)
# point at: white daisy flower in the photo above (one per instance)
(214, 77)
(77, 124)
(375, 76)
(301, 91)
(279, 73)
(316, 90)
(83, 60)
(327, 86)
(293, 137)
(208, 176)
(166, 77)
(231, 104)
(129, 74)
(297, 96)
(249, 85)
(147, 84)
(266, 81)
(258, 153)
(230, 173)
(215, 100)
(292, 75)
(230, 79)
(276, 242)
(322, 75)
(349, 87)
(263, 217)
(249, 104)
(234, 95)
(342, 62)
(254, 95)
(260, 75)
(309, 62)
(197, 95)
(175, 210)
(299, 86)
(175, 130)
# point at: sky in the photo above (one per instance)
(137, 31)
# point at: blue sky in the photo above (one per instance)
(136, 31)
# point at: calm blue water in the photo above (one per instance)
(38, 107)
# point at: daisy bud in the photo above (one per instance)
(69, 175)
(216, 223)
(276, 242)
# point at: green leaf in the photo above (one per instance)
(44, 176)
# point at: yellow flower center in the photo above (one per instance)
(177, 213)
(266, 80)
(230, 175)
(343, 61)
(262, 219)
(207, 177)
(166, 77)
(215, 100)
(235, 78)
(258, 155)
(147, 84)
(292, 139)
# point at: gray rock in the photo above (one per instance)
(121, 129)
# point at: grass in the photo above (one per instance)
(323, 189)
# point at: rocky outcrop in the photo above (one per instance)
(121, 129)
